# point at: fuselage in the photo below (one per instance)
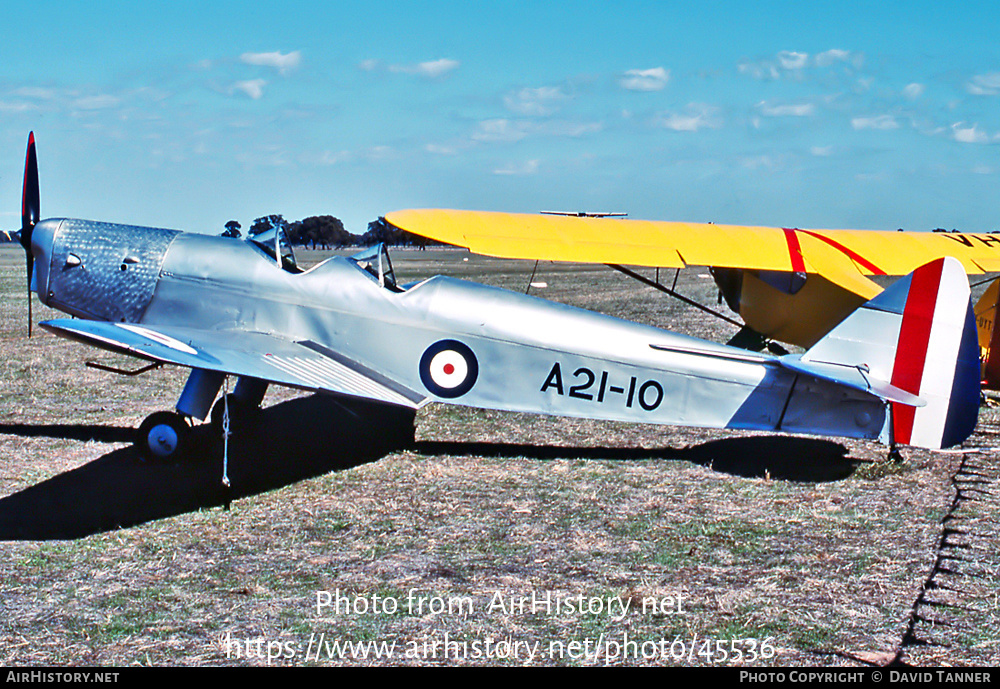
(452, 341)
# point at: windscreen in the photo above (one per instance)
(274, 243)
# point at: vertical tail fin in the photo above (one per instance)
(918, 337)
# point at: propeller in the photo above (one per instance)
(29, 212)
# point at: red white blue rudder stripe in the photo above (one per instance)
(937, 358)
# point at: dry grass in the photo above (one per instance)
(856, 564)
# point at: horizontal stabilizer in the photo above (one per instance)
(853, 377)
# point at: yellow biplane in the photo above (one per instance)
(788, 284)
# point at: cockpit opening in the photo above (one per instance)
(275, 245)
(375, 261)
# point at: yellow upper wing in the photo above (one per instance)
(844, 257)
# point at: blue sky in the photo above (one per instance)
(186, 115)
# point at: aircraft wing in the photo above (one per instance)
(307, 365)
(843, 256)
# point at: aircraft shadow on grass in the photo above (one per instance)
(288, 445)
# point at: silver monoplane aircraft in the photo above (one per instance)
(903, 368)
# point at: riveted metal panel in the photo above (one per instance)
(105, 271)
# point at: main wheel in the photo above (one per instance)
(162, 436)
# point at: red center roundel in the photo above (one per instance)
(448, 368)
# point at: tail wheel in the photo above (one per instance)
(162, 436)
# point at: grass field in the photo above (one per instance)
(494, 538)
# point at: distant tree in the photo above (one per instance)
(233, 230)
(267, 222)
(387, 233)
(378, 231)
(322, 230)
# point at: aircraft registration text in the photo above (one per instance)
(596, 387)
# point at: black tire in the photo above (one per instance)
(162, 437)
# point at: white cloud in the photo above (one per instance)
(821, 151)
(570, 129)
(503, 130)
(654, 79)
(251, 87)
(828, 57)
(35, 92)
(335, 157)
(694, 117)
(789, 59)
(283, 62)
(98, 102)
(913, 91)
(16, 106)
(379, 152)
(438, 149)
(758, 162)
(431, 69)
(792, 64)
(791, 110)
(759, 70)
(876, 122)
(969, 135)
(984, 84)
(500, 130)
(328, 157)
(538, 102)
(528, 167)
(437, 67)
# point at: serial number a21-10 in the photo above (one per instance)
(588, 385)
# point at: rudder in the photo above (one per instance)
(917, 337)
(937, 358)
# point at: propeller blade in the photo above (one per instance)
(30, 212)
(29, 194)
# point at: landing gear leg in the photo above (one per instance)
(201, 388)
(236, 410)
(243, 404)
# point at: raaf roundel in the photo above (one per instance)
(449, 369)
